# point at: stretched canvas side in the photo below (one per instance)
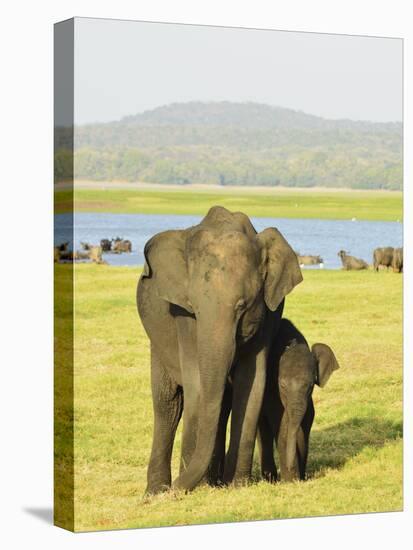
(63, 275)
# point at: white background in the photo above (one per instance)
(26, 125)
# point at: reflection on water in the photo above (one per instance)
(318, 237)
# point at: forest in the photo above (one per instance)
(229, 143)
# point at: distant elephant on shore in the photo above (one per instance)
(288, 412)
(397, 262)
(210, 297)
(350, 262)
(383, 256)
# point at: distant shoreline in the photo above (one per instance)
(202, 187)
(138, 198)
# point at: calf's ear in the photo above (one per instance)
(326, 363)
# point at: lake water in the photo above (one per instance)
(316, 237)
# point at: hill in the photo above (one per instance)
(240, 144)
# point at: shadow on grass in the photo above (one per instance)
(334, 446)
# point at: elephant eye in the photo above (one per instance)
(240, 304)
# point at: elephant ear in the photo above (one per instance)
(280, 267)
(326, 363)
(165, 263)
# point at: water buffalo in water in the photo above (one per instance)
(63, 246)
(309, 260)
(383, 256)
(106, 245)
(66, 255)
(350, 262)
(82, 255)
(62, 254)
(397, 262)
(95, 254)
(121, 245)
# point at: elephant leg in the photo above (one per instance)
(306, 429)
(266, 444)
(167, 407)
(215, 475)
(248, 391)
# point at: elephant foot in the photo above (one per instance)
(214, 481)
(156, 488)
(270, 476)
(290, 475)
(240, 480)
(178, 487)
(183, 483)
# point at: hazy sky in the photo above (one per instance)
(126, 67)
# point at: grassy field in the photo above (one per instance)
(355, 461)
(363, 205)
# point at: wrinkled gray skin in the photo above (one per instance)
(383, 256)
(397, 262)
(210, 298)
(350, 262)
(288, 410)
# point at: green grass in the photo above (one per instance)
(363, 205)
(355, 461)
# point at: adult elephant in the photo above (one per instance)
(210, 298)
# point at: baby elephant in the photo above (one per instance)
(288, 412)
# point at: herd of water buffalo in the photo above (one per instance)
(387, 257)
(92, 252)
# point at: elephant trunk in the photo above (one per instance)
(291, 451)
(216, 349)
(294, 442)
(302, 452)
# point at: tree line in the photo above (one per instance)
(237, 144)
